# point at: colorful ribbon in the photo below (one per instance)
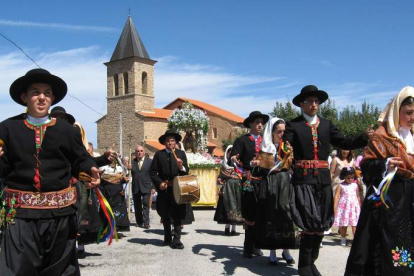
(381, 194)
(238, 170)
(110, 231)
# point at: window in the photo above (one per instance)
(116, 92)
(126, 83)
(144, 83)
(214, 133)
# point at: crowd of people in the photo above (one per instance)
(279, 181)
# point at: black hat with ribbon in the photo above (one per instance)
(169, 132)
(253, 116)
(38, 75)
(310, 91)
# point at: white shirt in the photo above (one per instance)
(38, 121)
(312, 120)
(407, 137)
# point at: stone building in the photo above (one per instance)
(130, 102)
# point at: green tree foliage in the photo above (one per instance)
(286, 111)
(227, 142)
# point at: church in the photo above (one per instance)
(131, 114)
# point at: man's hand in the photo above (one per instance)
(370, 131)
(163, 186)
(109, 154)
(235, 159)
(126, 179)
(152, 191)
(1, 151)
(180, 163)
(96, 179)
(249, 223)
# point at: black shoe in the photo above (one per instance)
(167, 240)
(257, 252)
(234, 233)
(177, 245)
(227, 232)
(247, 255)
(315, 271)
(140, 225)
(146, 226)
(288, 261)
(273, 263)
(81, 254)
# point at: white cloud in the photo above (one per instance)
(60, 26)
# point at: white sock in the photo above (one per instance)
(81, 247)
(272, 255)
(286, 252)
(227, 226)
(233, 228)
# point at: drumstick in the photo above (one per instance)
(2, 144)
(173, 151)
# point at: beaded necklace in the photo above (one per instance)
(314, 129)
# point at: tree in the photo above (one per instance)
(286, 111)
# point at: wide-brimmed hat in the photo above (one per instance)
(60, 110)
(169, 132)
(310, 91)
(39, 75)
(253, 116)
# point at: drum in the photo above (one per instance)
(186, 189)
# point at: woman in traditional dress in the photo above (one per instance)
(228, 209)
(274, 227)
(383, 243)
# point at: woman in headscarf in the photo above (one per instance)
(274, 227)
(383, 243)
(228, 209)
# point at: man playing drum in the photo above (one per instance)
(166, 165)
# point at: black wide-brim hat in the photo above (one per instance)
(39, 75)
(169, 132)
(253, 116)
(310, 91)
(60, 110)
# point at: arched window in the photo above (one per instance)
(144, 83)
(116, 91)
(125, 83)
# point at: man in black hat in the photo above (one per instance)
(244, 152)
(312, 201)
(40, 156)
(60, 112)
(167, 164)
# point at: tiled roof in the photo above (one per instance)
(129, 44)
(158, 113)
(212, 109)
(155, 144)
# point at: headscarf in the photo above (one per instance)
(267, 142)
(390, 116)
(224, 162)
(83, 135)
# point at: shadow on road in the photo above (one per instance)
(231, 257)
(154, 242)
(211, 232)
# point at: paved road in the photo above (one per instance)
(207, 252)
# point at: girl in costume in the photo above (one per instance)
(384, 239)
(228, 209)
(274, 227)
(347, 204)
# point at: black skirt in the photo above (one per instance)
(384, 239)
(228, 209)
(114, 194)
(274, 227)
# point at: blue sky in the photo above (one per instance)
(238, 55)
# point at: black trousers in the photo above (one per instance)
(141, 206)
(308, 254)
(41, 247)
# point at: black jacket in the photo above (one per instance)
(245, 148)
(62, 156)
(299, 135)
(141, 179)
(164, 166)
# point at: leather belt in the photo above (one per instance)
(311, 164)
(39, 200)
